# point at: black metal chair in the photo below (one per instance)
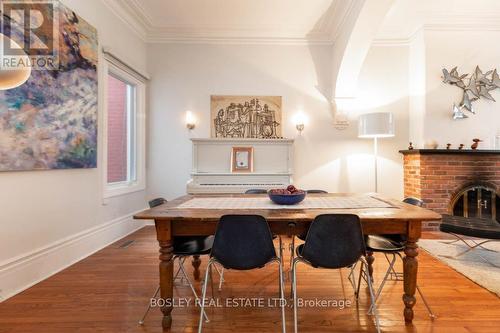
(393, 245)
(316, 191)
(243, 242)
(184, 247)
(303, 236)
(333, 241)
(256, 191)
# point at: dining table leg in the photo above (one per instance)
(370, 259)
(196, 267)
(164, 237)
(410, 270)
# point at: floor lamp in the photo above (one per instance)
(375, 126)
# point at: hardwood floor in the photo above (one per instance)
(109, 291)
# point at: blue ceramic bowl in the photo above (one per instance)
(287, 199)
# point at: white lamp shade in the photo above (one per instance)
(12, 77)
(376, 125)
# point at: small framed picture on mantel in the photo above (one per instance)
(242, 159)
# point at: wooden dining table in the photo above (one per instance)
(183, 217)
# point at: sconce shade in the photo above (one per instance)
(12, 77)
(376, 125)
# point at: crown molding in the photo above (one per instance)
(449, 23)
(134, 15)
(126, 11)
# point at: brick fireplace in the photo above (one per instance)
(455, 182)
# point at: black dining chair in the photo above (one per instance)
(244, 242)
(303, 236)
(393, 246)
(256, 191)
(333, 241)
(184, 247)
(316, 191)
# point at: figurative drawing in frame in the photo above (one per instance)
(256, 117)
(242, 159)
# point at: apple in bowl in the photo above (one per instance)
(288, 196)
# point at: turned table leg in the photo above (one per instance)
(163, 233)
(370, 259)
(410, 269)
(196, 265)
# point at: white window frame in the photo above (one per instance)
(111, 66)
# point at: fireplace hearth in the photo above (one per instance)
(455, 182)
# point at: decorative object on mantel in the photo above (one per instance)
(461, 146)
(245, 117)
(410, 147)
(50, 122)
(375, 126)
(190, 120)
(242, 159)
(448, 146)
(474, 87)
(476, 143)
(431, 144)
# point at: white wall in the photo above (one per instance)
(465, 49)
(185, 75)
(50, 219)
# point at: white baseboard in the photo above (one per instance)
(27, 270)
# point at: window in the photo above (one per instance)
(121, 130)
(124, 129)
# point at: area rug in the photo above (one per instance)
(469, 264)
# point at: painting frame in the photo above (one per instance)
(242, 159)
(246, 116)
(51, 121)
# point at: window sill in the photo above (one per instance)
(119, 189)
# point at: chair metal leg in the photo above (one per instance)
(431, 314)
(471, 248)
(373, 306)
(181, 259)
(143, 319)
(204, 295)
(192, 287)
(282, 293)
(294, 294)
(463, 240)
(221, 275)
(141, 322)
(212, 281)
(352, 278)
(382, 284)
(361, 271)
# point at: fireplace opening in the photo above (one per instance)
(477, 201)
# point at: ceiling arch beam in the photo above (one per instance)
(353, 44)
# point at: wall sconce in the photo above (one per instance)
(190, 120)
(300, 120)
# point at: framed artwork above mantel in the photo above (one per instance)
(257, 117)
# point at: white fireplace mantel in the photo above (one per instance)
(211, 172)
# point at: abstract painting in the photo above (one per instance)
(246, 117)
(50, 122)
